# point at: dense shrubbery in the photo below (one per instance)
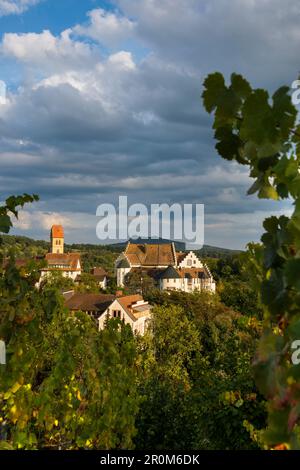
(262, 132)
(197, 387)
(65, 385)
(186, 384)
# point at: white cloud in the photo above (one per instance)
(95, 121)
(16, 7)
(48, 52)
(122, 60)
(28, 220)
(106, 27)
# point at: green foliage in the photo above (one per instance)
(91, 255)
(11, 208)
(88, 283)
(65, 385)
(196, 386)
(56, 280)
(186, 384)
(240, 296)
(138, 282)
(261, 132)
(23, 247)
(96, 255)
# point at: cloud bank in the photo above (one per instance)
(113, 106)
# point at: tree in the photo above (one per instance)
(166, 356)
(195, 376)
(65, 385)
(240, 296)
(55, 279)
(88, 283)
(11, 208)
(261, 132)
(138, 281)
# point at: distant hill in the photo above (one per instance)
(95, 254)
(180, 246)
(215, 252)
(206, 252)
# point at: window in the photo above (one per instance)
(189, 262)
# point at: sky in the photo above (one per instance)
(104, 99)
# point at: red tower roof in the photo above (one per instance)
(57, 231)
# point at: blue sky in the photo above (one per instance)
(56, 15)
(104, 100)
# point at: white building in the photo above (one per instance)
(131, 309)
(68, 264)
(182, 271)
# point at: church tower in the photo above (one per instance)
(57, 239)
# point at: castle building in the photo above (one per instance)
(171, 270)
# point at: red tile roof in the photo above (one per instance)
(89, 302)
(128, 300)
(99, 273)
(57, 231)
(194, 273)
(64, 261)
(180, 256)
(150, 254)
(127, 303)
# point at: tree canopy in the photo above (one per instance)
(261, 132)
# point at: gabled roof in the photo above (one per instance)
(98, 272)
(128, 300)
(128, 303)
(170, 273)
(187, 273)
(180, 256)
(150, 254)
(69, 261)
(90, 302)
(57, 231)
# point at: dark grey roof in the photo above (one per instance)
(170, 273)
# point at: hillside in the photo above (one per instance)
(207, 250)
(93, 255)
